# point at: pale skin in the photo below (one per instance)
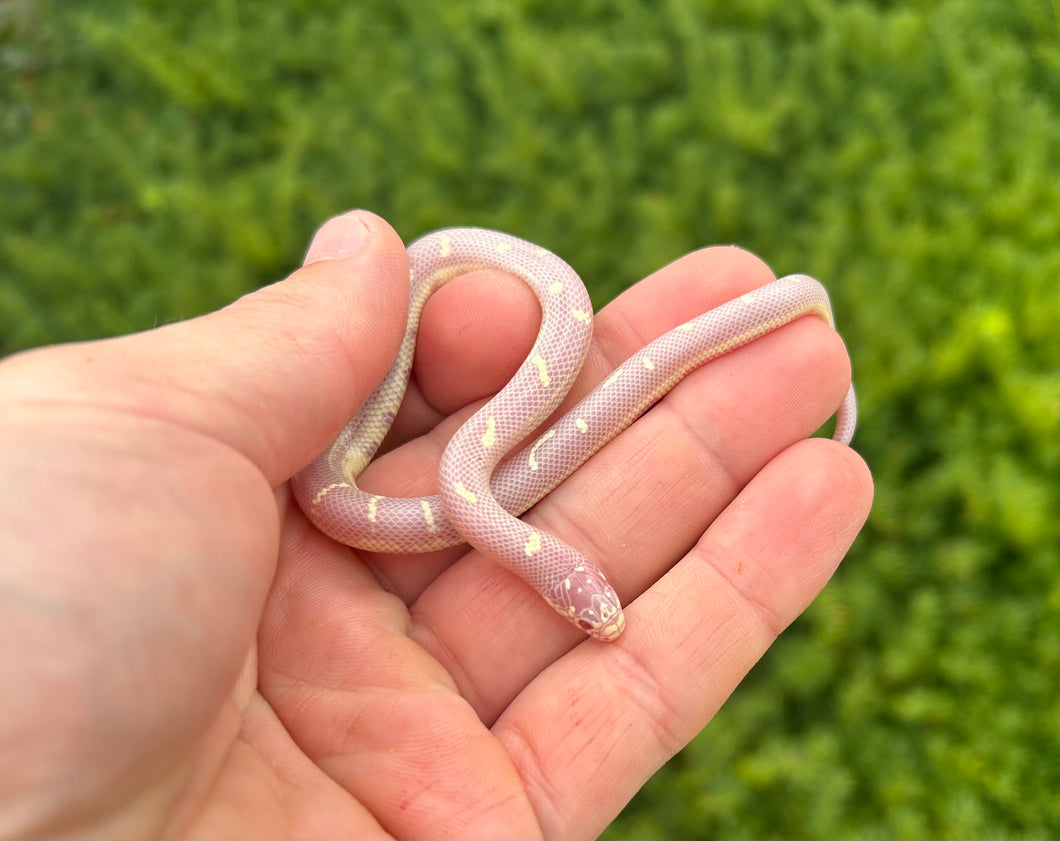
(184, 655)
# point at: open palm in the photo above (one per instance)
(186, 655)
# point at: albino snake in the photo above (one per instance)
(475, 495)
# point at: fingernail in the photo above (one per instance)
(339, 237)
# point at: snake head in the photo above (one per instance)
(587, 599)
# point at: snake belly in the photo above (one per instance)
(479, 502)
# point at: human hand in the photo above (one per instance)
(185, 655)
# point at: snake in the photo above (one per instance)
(481, 493)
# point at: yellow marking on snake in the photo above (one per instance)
(489, 437)
(502, 247)
(583, 427)
(555, 288)
(446, 247)
(748, 298)
(542, 252)
(357, 458)
(533, 545)
(610, 381)
(381, 430)
(613, 629)
(649, 364)
(532, 460)
(542, 370)
(461, 489)
(373, 508)
(324, 490)
(582, 316)
(428, 515)
(684, 328)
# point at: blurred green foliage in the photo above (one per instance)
(159, 159)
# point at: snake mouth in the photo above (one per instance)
(610, 630)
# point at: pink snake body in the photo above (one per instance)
(479, 502)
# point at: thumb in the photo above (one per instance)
(318, 342)
(275, 374)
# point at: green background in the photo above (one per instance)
(158, 159)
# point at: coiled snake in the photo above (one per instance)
(479, 502)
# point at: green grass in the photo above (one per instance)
(159, 159)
